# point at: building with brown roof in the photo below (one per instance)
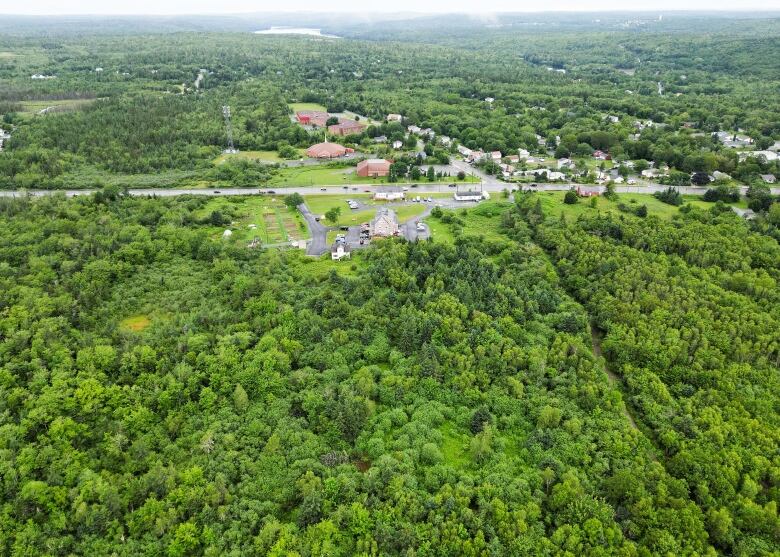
(346, 127)
(373, 168)
(327, 150)
(315, 118)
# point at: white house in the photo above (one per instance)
(471, 195)
(413, 129)
(394, 117)
(446, 141)
(565, 163)
(769, 178)
(556, 176)
(397, 144)
(495, 156)
(384, 224)
(769, 155)
(389, 193)
(463, 150)
(227, 234)
(339, 251)
(523, 153)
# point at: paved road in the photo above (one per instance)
(318, 232)
(409, 228)
(492, 186)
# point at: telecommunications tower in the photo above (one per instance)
(229, 129)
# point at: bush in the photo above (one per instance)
(669, 196)
(571, 197)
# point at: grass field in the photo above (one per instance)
(34, 107)
(480, 220)
(267, 219)
(552, 203)
(319, 204)
(295, 107)
(262, 156)
(135, 323)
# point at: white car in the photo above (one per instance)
(420, 227)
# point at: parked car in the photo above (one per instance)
(451, 186)
(420, 227)
(323, 189)
(216, 191)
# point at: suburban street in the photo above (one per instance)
(319, 233)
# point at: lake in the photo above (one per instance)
(295, 31)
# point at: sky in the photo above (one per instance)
(116, 7)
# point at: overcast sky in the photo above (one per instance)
(239, 6)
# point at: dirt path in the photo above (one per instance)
(614, 379)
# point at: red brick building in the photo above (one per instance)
(373, 168)
(346, 127)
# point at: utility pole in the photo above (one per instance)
(229, 129)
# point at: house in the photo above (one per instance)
(413, 129)
(588, 191)
(471, 195)
(718, 175)
(553, 176)
(316, 118)
(389, 193)
(429, 132)
(394, 117)
(380, 139)
(384, 224)
(613, 119)
(346, 127)
(650, 173)
(768, 155)
(373, 168)
(634, 136)
(733, 141)
(489, 100)
(600, 155)
(523, 153)
(397, 144)
(339, 251)
(506, 168)
(769, 178)
(475, 156)
(227, 234)
(540, 140)
(446, 141)
(327, 150)
(495, 156)
(513, 159)
(565, 163)
(463, 150)
(422, 155)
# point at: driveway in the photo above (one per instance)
(319, 233)
(409, 228)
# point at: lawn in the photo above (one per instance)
(296, 107)
(262, 156)
(267, 219)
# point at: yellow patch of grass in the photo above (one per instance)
(135, 323)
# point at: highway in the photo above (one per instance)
(493, 186)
